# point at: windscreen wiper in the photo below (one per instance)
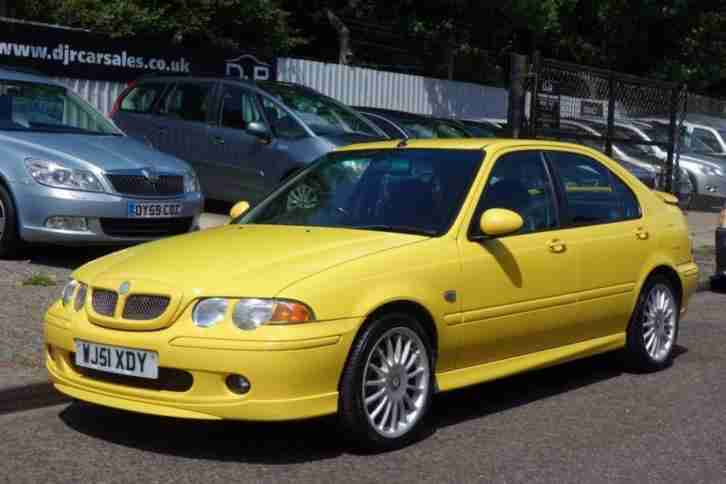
(406, 229)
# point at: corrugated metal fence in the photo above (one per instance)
(355, 86)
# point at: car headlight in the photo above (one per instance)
(711, 170)
(191, 182)
(209, 312)
(68, 290)
(80, 299)
(250, 314)
(54, 174)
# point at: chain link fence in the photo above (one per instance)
(631, 119)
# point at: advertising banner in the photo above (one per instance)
(73, 53)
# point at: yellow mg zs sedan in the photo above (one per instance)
(382, 274)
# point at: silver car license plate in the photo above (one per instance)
(116, 359)
(154, 210)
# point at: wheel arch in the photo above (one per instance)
(422, 314)
(670, 273)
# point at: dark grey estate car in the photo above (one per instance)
(242, 138)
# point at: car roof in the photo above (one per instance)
(9, 73)
(465, 144)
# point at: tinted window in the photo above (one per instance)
(519, 182)
(282, 124)
(141, 98)
(239, 108)
(188, 101)
(594, 195)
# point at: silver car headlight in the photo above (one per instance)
(191, 182)
(209, 312)
(68, 291)
(250, 314)
(54, 174)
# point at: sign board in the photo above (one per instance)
(592, 109)
(78, 54)
(548, 104)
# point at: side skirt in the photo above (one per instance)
(473, 375)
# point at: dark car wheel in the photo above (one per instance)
(653, 328)
(386, 387)
(9, 240)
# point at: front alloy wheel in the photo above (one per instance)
(386, 386)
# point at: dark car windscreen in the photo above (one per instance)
(416, 191)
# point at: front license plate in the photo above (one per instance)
(116, 359)
(154, 210)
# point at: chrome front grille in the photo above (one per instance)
(104, 302)
(140, 307)
(163, 185)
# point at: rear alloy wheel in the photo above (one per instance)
(9, 241)
(386, 385)
(654, 326)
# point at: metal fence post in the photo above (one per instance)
(517, 93)
(668, 186)
(611, 114)
(718, 281)
(534, 79)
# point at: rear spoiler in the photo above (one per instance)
(666, 197)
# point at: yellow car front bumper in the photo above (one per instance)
(292, 377)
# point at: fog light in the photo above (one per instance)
(75, 224)
(238, 384)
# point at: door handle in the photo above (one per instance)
(641, 233)
(218, 140)
(557, 246)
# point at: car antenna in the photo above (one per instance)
(403, 143)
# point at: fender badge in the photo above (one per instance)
(450, 296)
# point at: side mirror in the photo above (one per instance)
(259, 130)
(239, 209)
(499, 221)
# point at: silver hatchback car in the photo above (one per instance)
(69, 176)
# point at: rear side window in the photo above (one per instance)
(141, 98)
(593, 193)
(188, 101)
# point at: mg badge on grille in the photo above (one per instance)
(124, 288)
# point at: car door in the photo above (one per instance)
(182, 127)
(603, 222)
(237, 168)
(517, 291)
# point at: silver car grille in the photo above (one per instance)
(140, 307)
(104, 302)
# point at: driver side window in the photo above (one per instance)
(519, 182)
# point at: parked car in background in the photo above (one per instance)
(415, 126)
(582, 133)
(428, 266)
(702, 134)
(241, 137)
(702, 171)
(69, 176)
(483, 129)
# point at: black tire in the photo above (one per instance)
(637, 352)
(10, 242)
(352, 413)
